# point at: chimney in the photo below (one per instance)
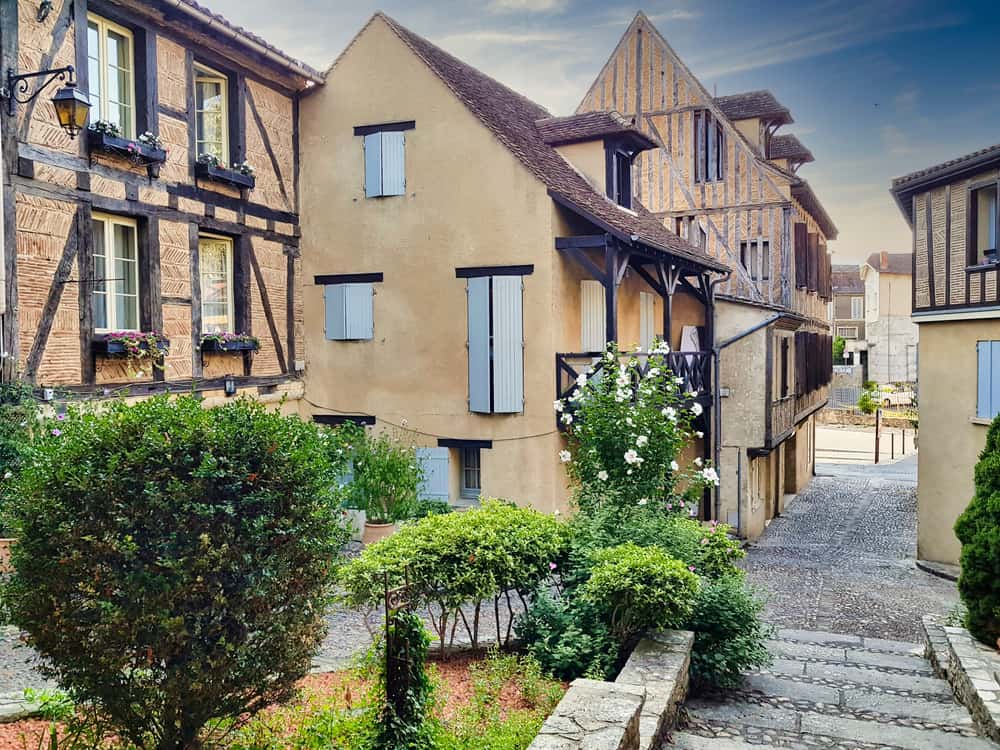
(883, 261)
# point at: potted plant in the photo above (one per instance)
(386, 478)
(147, 150)
(229, 342)
(209, 167)
(138, 347)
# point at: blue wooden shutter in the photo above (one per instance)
(336, 313)
(593, 322)
(988, 393)
(373, 165)
(393, 164)
(508, 345)
(646, 325)
(479, 344)
(436, 482)
(358, 303)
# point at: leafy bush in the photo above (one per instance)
(728, 634)
(639, 588)
(567, 636)
(460, 558)
(839, 344)
(387, 477)
(18, 417)
(868, 402)
(405, 690)
(978, 529)
(627, 425)
(174, 563)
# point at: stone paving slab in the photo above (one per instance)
(776, 686)
(888, 734)
(872, 677)
(794, 650)
(904, 705)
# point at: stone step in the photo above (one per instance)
(858, 699)
(688, 741)
(848, 641)
(914, 663)
(848, 675)
(737, 717)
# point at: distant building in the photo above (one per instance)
(952, 209)
(890, 335)
(847, 312)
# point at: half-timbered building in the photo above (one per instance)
(171, 221)
(952, 210)
(724, 179)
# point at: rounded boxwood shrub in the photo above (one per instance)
(978, 529)
(174, 563)
(639, 588)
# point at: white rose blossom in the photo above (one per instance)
(698, 461)
(674, 466)
(679, 381)
(632, 457)
(557, 405)
(602, 475)
(581, 379)
(641, 440)
(643, 501)
(699, 434)
(670, 413)
(567, 418)
(565, 456)
(696, 409)
(709, 475)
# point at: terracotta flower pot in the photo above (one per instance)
(376, 531)
(5, 547)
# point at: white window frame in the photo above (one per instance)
(841, 334)
(230, 306)
(108, 282)
(859, 312)
(207, 74)
(464, 491)
(103, 27)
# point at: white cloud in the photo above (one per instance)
(528, 6)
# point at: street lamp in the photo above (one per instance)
(72, 105)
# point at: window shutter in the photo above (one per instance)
(801, 255)
(710, 144)
(393, 164)
(508, 345)
(373, 165)
(646, 320)
(358, 306)
(592, 316)
(812, 263)
(336, 312)
(478, 291)
(435, 483)
(988, 398)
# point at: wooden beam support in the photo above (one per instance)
(196, 322)
(581, 257)
(85, 274)
(56, 288)
(611, 292)
(588, 240)
(265, 301)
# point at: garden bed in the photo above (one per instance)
(498, 698)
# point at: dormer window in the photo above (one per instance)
(620, 178)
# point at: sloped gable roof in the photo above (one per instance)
(591, 126)
(512, 118)
(750, 104)
(787, 146)
(846, 279)
(897, 263)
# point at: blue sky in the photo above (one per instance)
(877, 88)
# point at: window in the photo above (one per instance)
(471, 483)
(751, 258)
(349, 311)
(211, 113)
(385, 164)
(988, 392)
(783, 386)
(847, 332)
(215, 261)
(620, 189)
(700, 236)
(496, 345)
(983, 225)
(111, 69)
(116, 274)
(709, 147)
(857, 308)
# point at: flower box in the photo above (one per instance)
(136, 152)
(232, 177)
(113, 348)
(215, 345)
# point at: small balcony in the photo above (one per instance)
(788, 411)
(694, 367)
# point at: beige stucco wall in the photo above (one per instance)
(588, 158)
(949, 441)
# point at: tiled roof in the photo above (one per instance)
(590, 126)
(512, 118)
(975, 160)
(787, 146)
(803, 193)
(296, 65)
(846, 279)
(898, 263)
(753, 104)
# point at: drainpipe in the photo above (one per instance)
(717, 357)
(3, 235)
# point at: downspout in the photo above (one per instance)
(716, 412)
(717, 357)
(3, 254)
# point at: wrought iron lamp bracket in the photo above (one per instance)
(18, 84)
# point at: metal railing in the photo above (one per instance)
(694, 367)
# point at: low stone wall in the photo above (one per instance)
(846, 416)
(632, 713)
(936, 648)
(974, 674)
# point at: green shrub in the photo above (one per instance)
(174, 563)
(567, 636)
(460, 558)
(639, 588)
(728, 634)
(18, 418)
(978, 529)
(404, 690)
(387, 477)
(868, 402)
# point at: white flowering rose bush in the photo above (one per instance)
(628, 422)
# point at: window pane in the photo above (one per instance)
(119, 54)
(94, 69)
(216, 285)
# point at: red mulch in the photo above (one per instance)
(456, 690)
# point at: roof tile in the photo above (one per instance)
(590, 126)
(787, 146)
(751, 104)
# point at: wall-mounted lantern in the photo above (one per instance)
(72, 105)
(229, 385)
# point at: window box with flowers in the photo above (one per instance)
(145, 151)
(229, 342)
(208, 167)
(138, 347)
